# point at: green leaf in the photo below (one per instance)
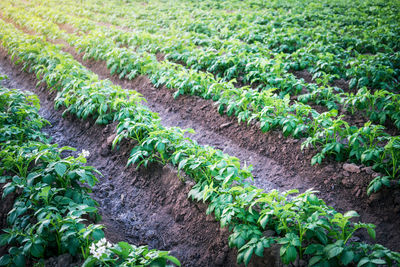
(5, 260)
(321, 236)
(89, 262)
(378, 261)
(259, 249)
(289, 255)
(347, 257)
(19, 260)
(173, 260)
(264, 221)
(351, 214)
(371, 232)
(4, 239)
(313, 248)
(60, 169)
(247, 255)
(97, 234)
(126, 248)
(182, 164)
(363, 261)
(8, 190)
(14, 251)
(161, 147)
(353, 83)
(314, 260)
(37, 250)
(316, 159)
(333, 252)
(3, 179)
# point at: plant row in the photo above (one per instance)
(52, 211)
(303, 225)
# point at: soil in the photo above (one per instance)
(68, 28)
(150, 206)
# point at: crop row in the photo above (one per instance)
(326, 132)
(51, 208)
(303, 225)
(254, 65)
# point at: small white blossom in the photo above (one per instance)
(92, 248)
(102, 242)
(101, 250)
(97, 255)
(85, 153)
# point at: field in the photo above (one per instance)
(199, 133)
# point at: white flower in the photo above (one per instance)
(85, 153)
(97, 255)
(102, 242)
(92, 248)
(101, 250)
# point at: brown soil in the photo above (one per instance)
(68, 28)
(342, 83)
(304, 74)
(160, 57)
